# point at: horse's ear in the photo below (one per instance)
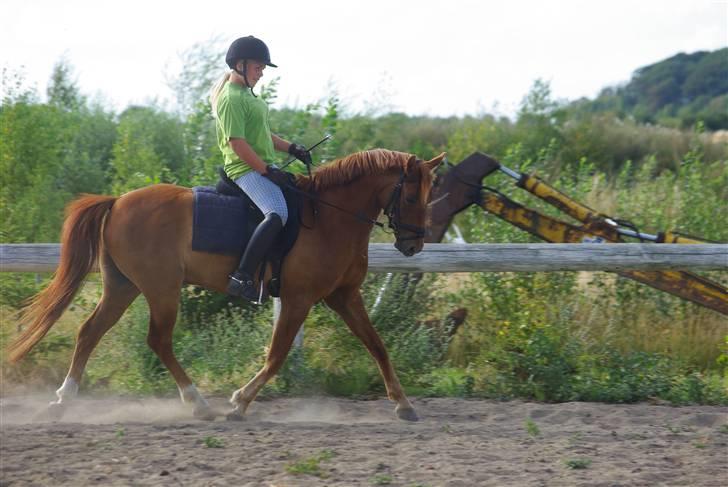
(433, 163)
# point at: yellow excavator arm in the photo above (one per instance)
(462, 186)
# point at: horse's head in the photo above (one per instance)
(407, 206)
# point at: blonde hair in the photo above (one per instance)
(216, 90)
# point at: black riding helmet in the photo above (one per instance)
(245, 48)
(248, 48)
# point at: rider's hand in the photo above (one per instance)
(301, 153)
(277, 176)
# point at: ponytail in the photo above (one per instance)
(216, 90)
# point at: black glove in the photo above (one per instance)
(301, 153)
(277, 176)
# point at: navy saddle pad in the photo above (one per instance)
(223, 224)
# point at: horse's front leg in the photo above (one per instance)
(285, 330)
(348, 303)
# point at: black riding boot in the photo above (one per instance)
(242, 282)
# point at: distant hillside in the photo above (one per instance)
(678, 92)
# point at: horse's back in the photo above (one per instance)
(155, 213)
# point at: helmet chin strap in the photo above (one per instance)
(244, 74)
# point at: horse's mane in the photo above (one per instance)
(356, 165)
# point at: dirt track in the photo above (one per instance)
(342, 442)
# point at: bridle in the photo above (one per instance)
(393, 212)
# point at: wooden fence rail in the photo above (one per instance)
(473, 257)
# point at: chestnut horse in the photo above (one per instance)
(142, 243)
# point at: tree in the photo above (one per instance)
(49, 153)
(678, 92)
(201, 65)
(539, 121)
(62, 89)
(31, 187)
(149, 149)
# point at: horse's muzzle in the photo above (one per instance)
(408, 248)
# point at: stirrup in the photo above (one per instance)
(244, 288)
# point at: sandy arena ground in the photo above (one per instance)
(328, 441)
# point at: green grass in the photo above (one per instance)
(577, 463)
(213, 442)
(381, 479)
(532, 428)
(311, 465)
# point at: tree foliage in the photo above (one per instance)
(677, 92)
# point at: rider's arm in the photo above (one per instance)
(280, 144)
(248, 155)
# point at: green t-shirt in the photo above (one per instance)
(241, 115)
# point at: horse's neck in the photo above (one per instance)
(362, 197)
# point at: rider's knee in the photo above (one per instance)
(281, 215)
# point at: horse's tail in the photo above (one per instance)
(80, 246)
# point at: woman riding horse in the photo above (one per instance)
(248, 147)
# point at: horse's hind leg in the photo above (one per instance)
(163, 306)
(348, 303)
(118, 294)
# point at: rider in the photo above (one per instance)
(248, 147)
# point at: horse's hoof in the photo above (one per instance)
(234, 415)
(205, 413)
(406, 414)
(53, 412)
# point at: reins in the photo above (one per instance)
(392, 210)
(313, 197)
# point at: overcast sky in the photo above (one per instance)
(444, 57)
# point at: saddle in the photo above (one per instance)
(224, 219)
